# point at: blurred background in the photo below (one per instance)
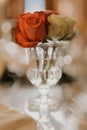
(13, 58)
(14, 84)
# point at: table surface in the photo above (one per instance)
(11, 119)
(73, 109)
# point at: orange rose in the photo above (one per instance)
(31, 29)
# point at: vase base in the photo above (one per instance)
(56, 125)
(34, 104)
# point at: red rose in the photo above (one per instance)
(31, 29)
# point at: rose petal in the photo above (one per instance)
(41, 33)
(49, 12)
(21, 27)
(25, 16)
(41, 15)
(31, 32)
(23, 42)
(38, 24)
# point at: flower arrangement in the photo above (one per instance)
(41, 25)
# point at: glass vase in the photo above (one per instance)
(46, 61)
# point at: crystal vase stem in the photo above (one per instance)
(44, 115)
(44, 99)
